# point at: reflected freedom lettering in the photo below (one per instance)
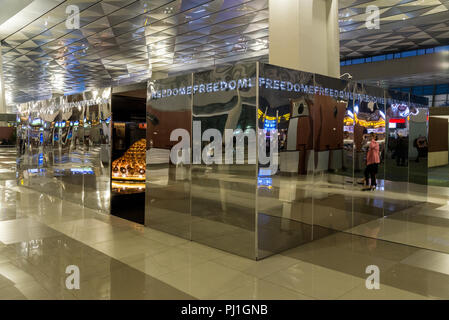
(271, 84)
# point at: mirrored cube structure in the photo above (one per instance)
(255, 159)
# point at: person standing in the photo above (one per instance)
(420, 144)
(372, 163)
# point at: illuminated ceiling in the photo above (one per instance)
(123, 41)
(404, 25)
(422, 79)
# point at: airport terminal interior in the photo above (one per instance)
(224, 149)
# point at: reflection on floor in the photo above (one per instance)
(78, 176)
(41, 235)
(439, 176)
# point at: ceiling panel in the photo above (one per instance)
(123, 41)
(409, 81)
(404, 25)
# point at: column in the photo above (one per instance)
(2, 86)
(304, 35)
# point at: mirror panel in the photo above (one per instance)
(63, 152)
(224, 129)
(168, 184)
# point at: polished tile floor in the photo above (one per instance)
(41, 235)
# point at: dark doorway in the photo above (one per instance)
(128, 168)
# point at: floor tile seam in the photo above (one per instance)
(292, 289)
(354, 289)
(394, 242)
(201, 261)
(124, 266)
(239, 273)
(68, 232)
(159, 275)
(117, 241)
(361, 286)
(45, 289)
(357, 278)
(71, 236)
(17, 294)
(400, 286)
(7, 283)
(283, 287)
(32, 276)
(53, 197)
(92, 246)
(395, 216)
(251, 274)
(153, 277)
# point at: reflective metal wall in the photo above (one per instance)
(223, 194)
(298, 178)
(418, 141)
(250, 158)
(168, 185)
(64, 147)
(285, 193)
(332, 203)
(325, 128)
(368, 118)
(206, 197)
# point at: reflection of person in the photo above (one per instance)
(372, 163)
(401, 151)
(282, 140)
(420, 144)
(20, 146)
(21, 142)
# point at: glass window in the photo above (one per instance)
(430, 100)
(442, 48)
(406, 54)
(442, 89)
(379, 58)
(428, 90)
(417, 91)
(390, 56)
(358, 61)
(441, 100)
